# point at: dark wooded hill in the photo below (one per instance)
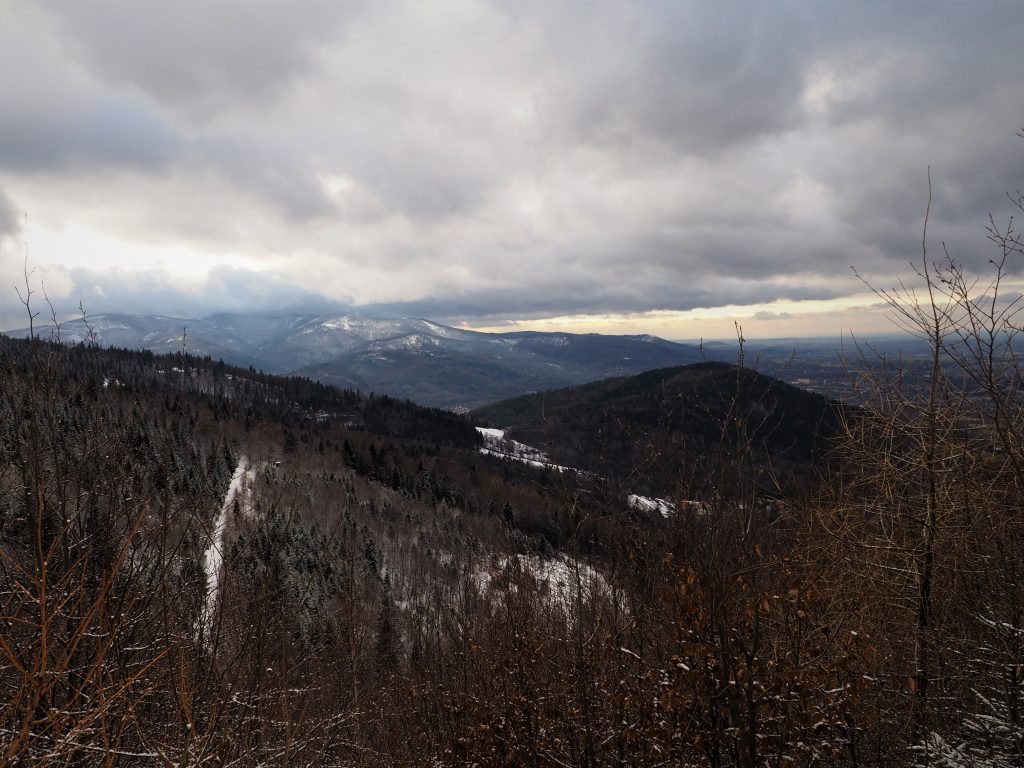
(673, 426)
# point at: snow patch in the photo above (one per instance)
(338, 324)
(646, 504)
(545, 464)
(558, 576)
(667, 508)
(511, 450)
(496, 443)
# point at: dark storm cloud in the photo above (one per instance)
(480, 160)
(11, 254)
(263, 170)
(694, 76)
(200, 57)
(90, 139)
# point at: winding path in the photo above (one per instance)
(213, 558)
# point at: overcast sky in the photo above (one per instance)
(667, 167)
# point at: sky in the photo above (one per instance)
(638, 166)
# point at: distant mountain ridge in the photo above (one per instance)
(413, 358)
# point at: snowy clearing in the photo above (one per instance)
(491, 434)
(498, 445)
(558, 575)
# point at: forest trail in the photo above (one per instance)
(213, 557)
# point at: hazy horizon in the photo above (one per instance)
(43, 323)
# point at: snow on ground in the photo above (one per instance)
(667, 508)
(646, 504)
(337, 324)
(491, 434)
(530, 462)
(213, 557)
(557, 575)
(498, 445)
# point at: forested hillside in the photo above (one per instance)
(204, 565)
(664, 431)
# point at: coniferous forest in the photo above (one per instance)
(206, 565)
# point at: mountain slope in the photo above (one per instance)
(472, 370)
(417, 359)
(248, 526)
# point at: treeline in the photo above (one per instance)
(234, 392)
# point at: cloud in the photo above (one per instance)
(204, 58)
(11, 258)
(766, 315)
(222, 290)
(95, 138)
(482, 160)
(10, 221)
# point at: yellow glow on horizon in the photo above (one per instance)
(861, 313)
